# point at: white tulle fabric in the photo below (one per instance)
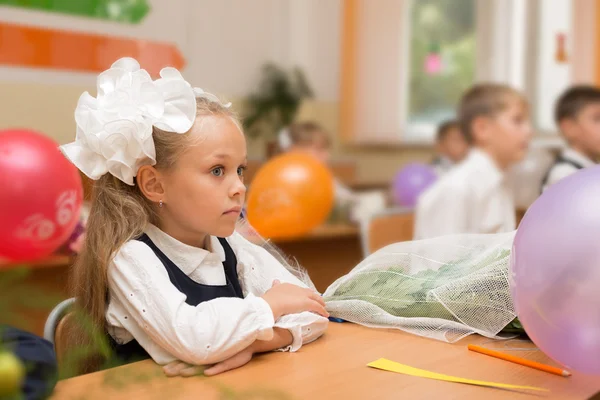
(114, 129)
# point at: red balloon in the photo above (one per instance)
(41, 195)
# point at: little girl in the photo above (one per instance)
(162, 270)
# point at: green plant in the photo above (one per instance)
(408, 295)
(276, 101)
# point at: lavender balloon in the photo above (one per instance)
(555, 271)
(410, 182)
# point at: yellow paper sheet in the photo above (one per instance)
(392, 366)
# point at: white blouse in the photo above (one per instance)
(473, 197)
(560, 171)
(144, 305)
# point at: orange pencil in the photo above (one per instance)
(518, 360)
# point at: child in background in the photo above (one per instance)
(451, 146)
(162, 269)
(306, 136)
(577, 115)
(312, 138)
(475, 197)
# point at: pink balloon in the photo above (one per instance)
(41, 195)
(555, 271)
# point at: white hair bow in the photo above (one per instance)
(114, 130)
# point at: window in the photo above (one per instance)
(454, 43)
(406, 65)
(441, 61)
(552, 68)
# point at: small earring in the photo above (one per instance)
(160, 204)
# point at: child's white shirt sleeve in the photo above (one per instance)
(153, 311)
(439, 213)
(257, 269)
(145, 305)
(472, 198)
(561, 170)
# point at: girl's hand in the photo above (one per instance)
(238, 360)
(180, 368)
(285, 298)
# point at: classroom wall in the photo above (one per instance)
(225, 43)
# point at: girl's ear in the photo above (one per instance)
(149, 180)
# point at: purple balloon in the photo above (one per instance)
(555, 271)
(410, 182)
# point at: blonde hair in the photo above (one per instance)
(307, 134)
(485, 100)
(120, 213)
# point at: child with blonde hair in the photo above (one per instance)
(162, 269)
(475, 196)
(311, 138)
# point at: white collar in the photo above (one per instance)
(187, 258)
(485, 162)
(574, 155)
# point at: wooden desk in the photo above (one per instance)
(327, 253)
(334, 367)
(365, 185)
(325, 232)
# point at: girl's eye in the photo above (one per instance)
(240, 171)
(217, 171)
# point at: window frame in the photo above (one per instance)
(518, 68)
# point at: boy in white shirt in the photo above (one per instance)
(577, 115)
(451, 146)
(474, 197)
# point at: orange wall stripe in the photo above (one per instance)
(347, 102)
(27, 46)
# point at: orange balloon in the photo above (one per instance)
(290, 195)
